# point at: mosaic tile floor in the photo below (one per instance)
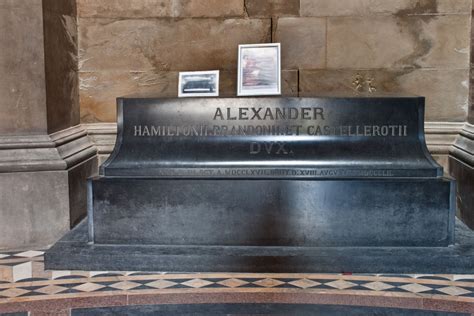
(26, 287)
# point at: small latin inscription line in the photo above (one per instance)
(270, 130)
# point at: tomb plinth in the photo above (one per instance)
(325, 184)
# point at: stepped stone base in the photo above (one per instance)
(76, 253)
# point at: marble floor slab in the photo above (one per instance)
(25, 286)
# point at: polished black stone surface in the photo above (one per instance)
(256, 309)
(271, 137)
(271, 212)
(464, 174)
(271, 184)
(75, 253)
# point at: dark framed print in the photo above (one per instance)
(198, 84)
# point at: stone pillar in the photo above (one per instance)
(22, 85)
(42, 187)
(461, 160)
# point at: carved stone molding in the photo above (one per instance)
(103, 136)
(463, 148)
(440, 136)
(57, 151)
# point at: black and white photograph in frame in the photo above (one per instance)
(259, 70)
(198, 84)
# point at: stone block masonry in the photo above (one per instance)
(417, 47)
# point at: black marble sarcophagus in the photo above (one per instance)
(269, 184)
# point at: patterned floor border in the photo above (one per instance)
(26, 287)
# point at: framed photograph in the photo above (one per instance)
(198, 84)
(259, 70)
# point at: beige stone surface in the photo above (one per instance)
(471, 93)
(22, 87)
(443, 161)
(166, 45)
(67, 7)
(160, 8)
(303, 42)
(446, 91)
(208, 8)
(228, 83)
(265, 8)
(289, 83)
(34, 209)
(61, 48)
(370, 7)
(124, 8)
(392, 42)
(99, 90)
(123, 50)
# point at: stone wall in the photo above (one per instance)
(22, 110)
(45, 156)
(412, 46)
(61, 51)
(471, 111)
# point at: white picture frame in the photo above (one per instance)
(198, 84)
(259, 69)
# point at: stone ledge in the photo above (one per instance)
(463, 147)
(58, 151)
(73, 252)
(103, 136)
(73, 145)
(440, 136)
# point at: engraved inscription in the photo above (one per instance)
(305, 115)
(270, 148)
(273, 114)
(270, 130)
(277, 172)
